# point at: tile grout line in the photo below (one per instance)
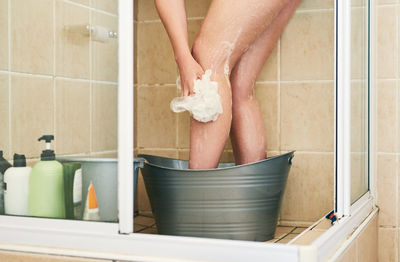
(279, 95)
(58, 77)
(90, 8)
(194, 18)
(9, 81)
(90, 85)
(286, 234)
(54, 80)
(396, 138)
(257, 82)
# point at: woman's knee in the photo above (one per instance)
(211, 55)
(242, 87)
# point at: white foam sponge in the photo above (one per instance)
(205, 105)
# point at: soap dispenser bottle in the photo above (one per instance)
(4, 165)
(16, 189)
(46, 185)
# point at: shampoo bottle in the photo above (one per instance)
(73, 189)
(16, 189)
(46, 185)
(4, 165)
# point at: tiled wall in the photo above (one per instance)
(388, 137)
(295, 92)
(363, 248)
(56, 82)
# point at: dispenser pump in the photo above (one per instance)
(19, 160)
(4, 165)
(48, 154)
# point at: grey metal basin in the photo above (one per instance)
(231, 202)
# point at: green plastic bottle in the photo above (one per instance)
(46, 185)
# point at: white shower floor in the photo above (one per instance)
(144, 223)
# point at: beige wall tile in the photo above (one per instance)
(32, 36)
(269, 72)
(156, 63)
(397, 166)
(156, 122)
(307, 122)
(359, 3)
(387, 244)
(105, 55)
(350, 254)
(28, 257)
(146, 10)
(197, 8)
(386, 183)
(387, 50)
(32, 113)
(358, 43)
(228, 145)
(267, 97)
(170, 153)
(227, 157)
(316, 4)
(193, 29)
(367, 242)
(82, 2)
(184, 154)
(359, 114)
(4, 34)
(108, 154)
(72, 48)
(386, 138)
(194, 8)
(307, 47)
(110, 6)
(359, 178)
(72, 117)
(309, 190)
(104, 120)
(4, 104)
(379, 2)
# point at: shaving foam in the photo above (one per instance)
(91, 211)
(205, 105)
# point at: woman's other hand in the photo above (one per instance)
(189, 70)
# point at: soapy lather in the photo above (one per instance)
(205, 105)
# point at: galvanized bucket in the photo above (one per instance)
(231, 202)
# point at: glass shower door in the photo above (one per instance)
(359, 84)
(352, 103)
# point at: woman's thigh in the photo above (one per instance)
(249, 65)
(229, 28)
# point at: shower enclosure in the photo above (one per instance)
(354, 147)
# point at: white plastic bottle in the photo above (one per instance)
(16, 193)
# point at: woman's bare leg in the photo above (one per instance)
(228, 29)
(247, 131)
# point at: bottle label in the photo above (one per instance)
(77, 193)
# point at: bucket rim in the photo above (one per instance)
(291, 153)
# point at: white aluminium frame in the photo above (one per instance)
(343, 106)
(116, 241)
(351, 215)
(125, 117)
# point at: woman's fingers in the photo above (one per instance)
(189, 72)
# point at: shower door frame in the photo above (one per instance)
(117, 241)
(343, 205)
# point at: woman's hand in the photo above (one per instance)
(189, 70)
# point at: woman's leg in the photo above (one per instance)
(228, 29)
(247, 131)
